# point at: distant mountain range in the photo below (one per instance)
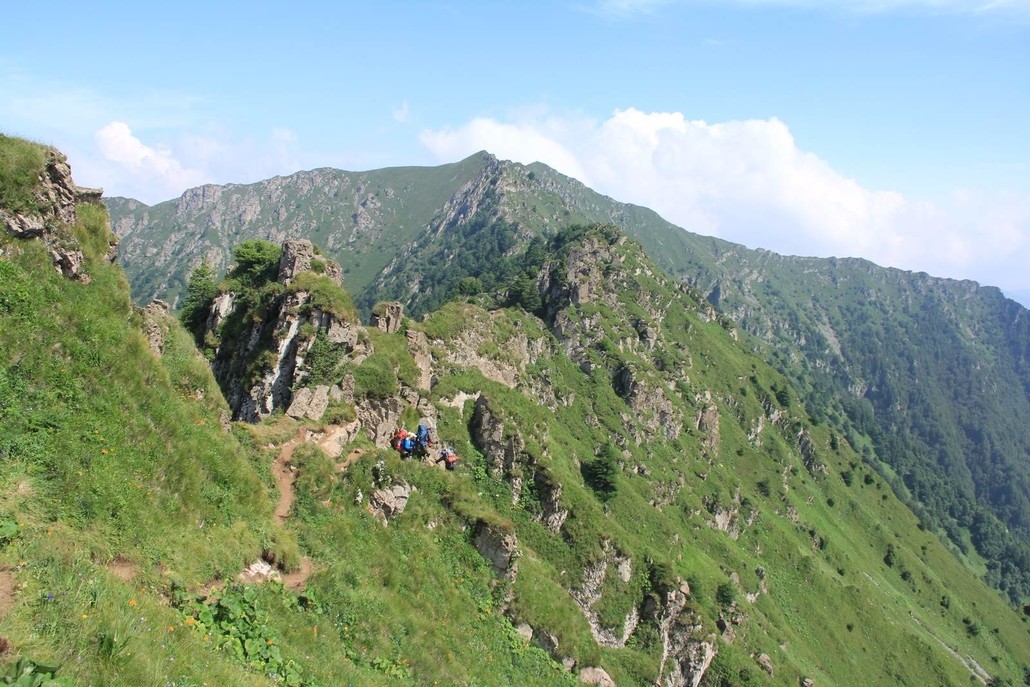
(929, 378)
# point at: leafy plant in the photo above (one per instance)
(26, 672)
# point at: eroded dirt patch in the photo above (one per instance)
(124, 570)
(8, 586)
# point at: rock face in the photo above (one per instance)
(55, 198)
(389, 502)
(589, 592)
(507, 460)
(156, 321)
(387, 317)
(499, 548)
(260, 368)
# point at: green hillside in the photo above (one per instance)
(637, 493)
(929, 377)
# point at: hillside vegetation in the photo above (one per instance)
(927, 377)
(637, 494)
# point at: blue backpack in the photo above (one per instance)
(424, 436)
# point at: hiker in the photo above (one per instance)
(407, 446)
(449, 458)
(397, 438)
(423, 440)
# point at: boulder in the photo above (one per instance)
(501, 550)
(389, 502)
(596, 676)
(309, 403)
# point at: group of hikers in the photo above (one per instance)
(421, 444)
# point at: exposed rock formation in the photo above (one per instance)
(501, 550)
(55, 198)
(311, 403)
(387, 317)
(389, 502)
(596, 676)
(507, 459)
(589, 593)
(259, 370)
(156, 322)
(418, 346)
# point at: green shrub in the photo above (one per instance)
(601, 474)
(375, 377)
(726, 594)
(325, 295)
(257, 262)
(200, 294)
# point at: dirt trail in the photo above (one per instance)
(328, 441)
(8, 585)
(331, 441)
(284, 476)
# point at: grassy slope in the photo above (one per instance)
(107, 454)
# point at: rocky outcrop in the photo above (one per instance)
(650, 406)
(259, 369)
(808, 454)
(688, 656)
(501, 550)
(387, 317)
(589, 592)
(156, 322)
(707, 423)
(53, 211)
(725, 517)
(418, 346)
(311, 403)
(507, 459)
(387, 503)
(502, 359)
(596, 676)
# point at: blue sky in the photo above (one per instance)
(895, 130)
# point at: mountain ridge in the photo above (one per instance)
(471, 232)
(640, 500)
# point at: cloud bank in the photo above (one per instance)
(747, 181)
(150, 166)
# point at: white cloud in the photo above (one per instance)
(509, 141)
(118, 144)
(747, 181)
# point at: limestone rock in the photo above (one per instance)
(596, 676)
(298, 256)
(387, 317)
(309, 403)
(500, 549)
(156, 324)
(54, 200)
(765, 663)
(547, 642)
(69, 263)
(389, 502)
(589, 593)
(525, 631)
